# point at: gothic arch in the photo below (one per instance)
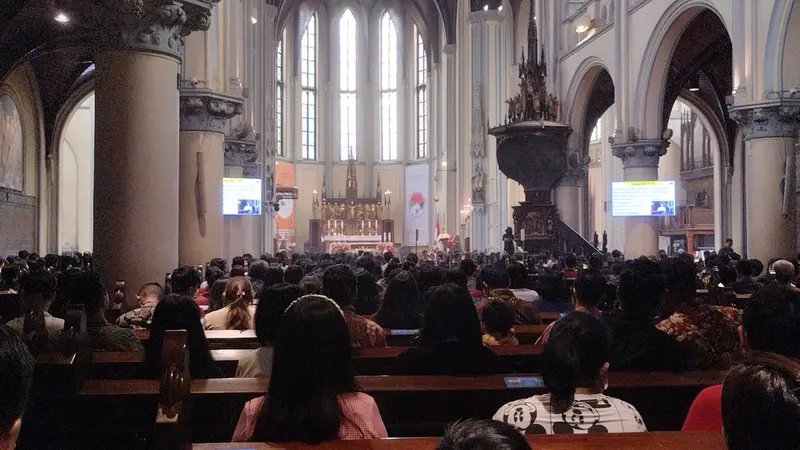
(575, 105)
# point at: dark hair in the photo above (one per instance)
(680, 276)
(482, 434)
(744, 268)
(429, 276)
(339, 284)
(311, 284)
(616, 253)
(571, 261)
(577, 348)
(213, 274)
(238, 298)
(16, 375)
(591, 288)
(770, 322)
(88, 291)
(387, 256)
(400, 306)
(219, 263)
(311, 368)
(366, 262)
(216, 299)
(274, 301)
(367, 292)
(390, 267)
(237, 271)
(36, 290)
(495, 278)
(185, 280)
(640, 287)
(497, 317)
(760, 406)
(450, 316)
(258, 271)
(294, 274)
(757, 266)
(179, 312)
(468, 266)
(455, 276)
(518, 276)
(237, 261)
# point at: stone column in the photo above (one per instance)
(640, 163)
(569, 191)
(448, 176)
(136, 137)
(770, 133)
(203, 117)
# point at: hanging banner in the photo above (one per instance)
(416, 205)
(284, 218)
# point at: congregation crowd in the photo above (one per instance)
(312, 313)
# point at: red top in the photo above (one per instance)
(705, 414)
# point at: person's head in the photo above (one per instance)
(729, 243)
(770, 323)
(680, 276)
(311, 368)
(367, 292)
(494, 277)
(455, 276)
(213, 274)
(390, 268)
(760, 405)
(238, 297)
(339, 283)
(274, 301)
(90, 292)
(238, 271)
(16, 373)
(575, 355)
(518, 276)
(744, 268)
(387, 256)
(784, 271)
(216, 295)
(571, 261)
(185, 280)
(401, 298)
(757, 266)
(468, 267)
(149, 293)
(482, 434)
(311, 284)
(238, 261)
(509, 231)
(413, 258)
(497, 317)
(591, 289)
(179, 312)
(293, 275)
(451, 317)
(366, 262)
(640, 287)
(220, 264)
(37, 290)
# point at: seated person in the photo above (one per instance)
(213, 273)
(185, 280)
(637, 345)
(238, 312)
(216, 296)
(496, 284)
(294, 274)
(313, 395)
(16, 374)
(707, 333)
(275, 299)
(518, 275)
(571, 269)
(589, 291)
(474, 434)
(769, 324)
(339, 284)
(90, 292)
(311, 284)
(450, 341)
(37, 292)
(367, 292)
(497, 324)
(575, 362)
(554, 296)
(399, 309)
(760, 403)
(180, 312)
(141, 317)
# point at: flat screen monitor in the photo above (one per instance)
(642, 198)
(241, 196)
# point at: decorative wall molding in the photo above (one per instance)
(769, 120)
(640, 153)
(204, 110)
(577, 169)
(157, 26)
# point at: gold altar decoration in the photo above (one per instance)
(352, 215)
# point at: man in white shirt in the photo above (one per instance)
(38, 290)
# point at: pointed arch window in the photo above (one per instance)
(308, 81)
(279, 95)
(388, 85)
(422, 96)
(348, 86)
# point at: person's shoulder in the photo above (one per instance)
(520, 410)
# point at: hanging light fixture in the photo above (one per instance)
(583, 24)
(694, 83)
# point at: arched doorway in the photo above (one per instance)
(76, 178)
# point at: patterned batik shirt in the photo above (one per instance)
(363, 332)
(707, 333)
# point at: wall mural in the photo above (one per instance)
(11, 150)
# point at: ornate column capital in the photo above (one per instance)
(205, 110)
(491, 15)
(779, 118)
(449, 49)
(157, 26)
(640, 153)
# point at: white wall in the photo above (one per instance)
(76, 180)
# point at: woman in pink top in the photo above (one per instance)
(313, 395)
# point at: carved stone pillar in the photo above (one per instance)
(242, 160)
(640, 163)
(136, 137)
(569, 190)
(203, 117)
(770, 132)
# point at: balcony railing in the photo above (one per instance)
(689, 217)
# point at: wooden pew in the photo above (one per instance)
(686, 440)
(409, 405)
(221, 339)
